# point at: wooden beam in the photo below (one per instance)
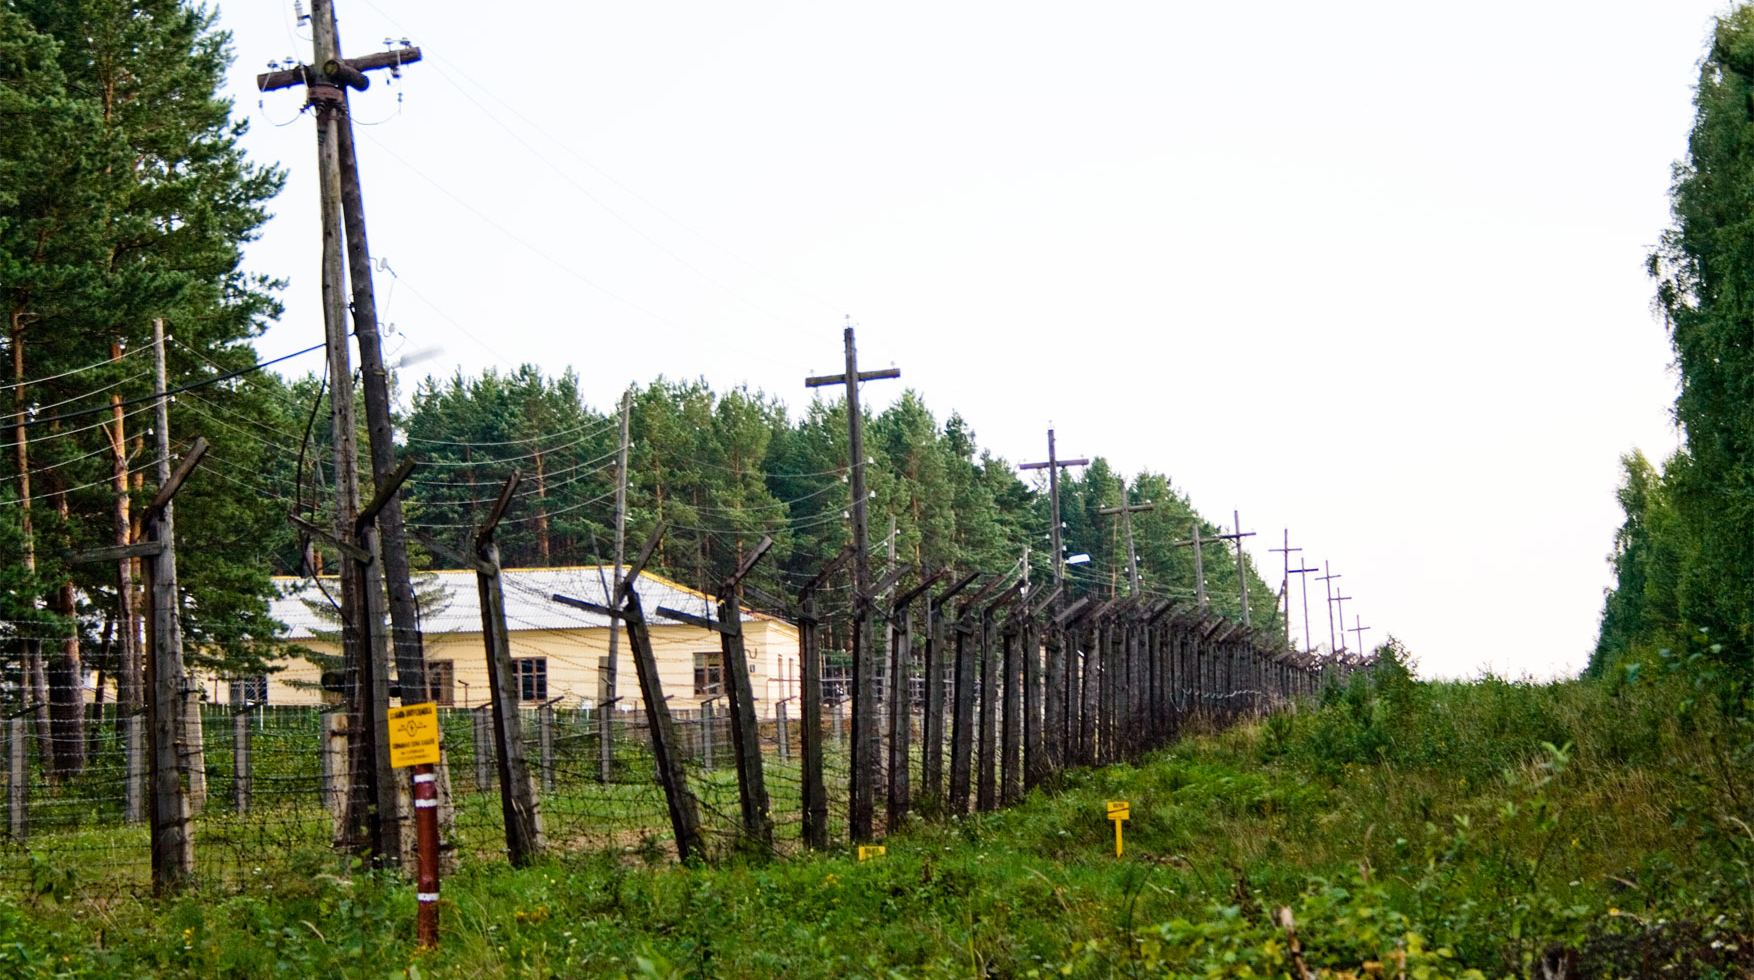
(485, 532)
(268, 81)
(1004, 596)
(347, 548)
(955, 587)
(888, 581)
(846, 554)
(693, 620)
(772, 601)
(1072, 612)
(386, 492)
(748, 564)
(587, 606)
(836, 379)
(1048, 600)
(914, 593)
(453, 555)
(161, 499)
(120, 552)
(639, 562)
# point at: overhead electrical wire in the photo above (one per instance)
(174, 391)
(29, 382)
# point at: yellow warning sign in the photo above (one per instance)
(869, 851)
(414, 735)
(1119, 810)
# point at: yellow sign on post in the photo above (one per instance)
(414, 735)
(869, 851)
(1118, 811)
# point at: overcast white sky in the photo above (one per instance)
(1367, 269)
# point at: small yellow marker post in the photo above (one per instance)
(869, 851)
(1118, 812)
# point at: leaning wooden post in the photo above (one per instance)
(962, 704)
(740, 693)
(684, 813)
(519, 806)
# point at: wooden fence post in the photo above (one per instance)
(482, 720)
(983, 768)
(517, 792)
(240, 759)
(706, 734)
(900, 720)
(962, 716)
(545, 743)
(17, 780)
(811, 787)
(781, 735)
(336, 776)
(932, 724)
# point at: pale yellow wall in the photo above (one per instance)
(573, 655)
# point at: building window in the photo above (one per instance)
(532, 675)
(709, 675)
(249, 690)
(441, 683)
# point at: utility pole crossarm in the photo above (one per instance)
(824, 380)
(393, 59)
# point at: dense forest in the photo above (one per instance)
(125, 198)
(1684, 558)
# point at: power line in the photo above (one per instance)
(174, 391)
(67, 374)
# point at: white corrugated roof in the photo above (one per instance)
(527, 602)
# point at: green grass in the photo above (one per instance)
(1440, 830)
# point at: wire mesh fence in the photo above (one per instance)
(270, 784)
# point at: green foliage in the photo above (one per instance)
(124, 196)
(1598, 823)
(1684, 559)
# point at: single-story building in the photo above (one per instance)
(558, 651)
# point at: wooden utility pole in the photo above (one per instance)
(385, 572)
(1359, 629)
(1327, 579)
(1340, 606)
(173, 840)
(1199, 545)
(865, 768)
(1242, 572)
(1052, 465)
(605, 715)
(1126, 511)
(1303, 588)
(1285, 583)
